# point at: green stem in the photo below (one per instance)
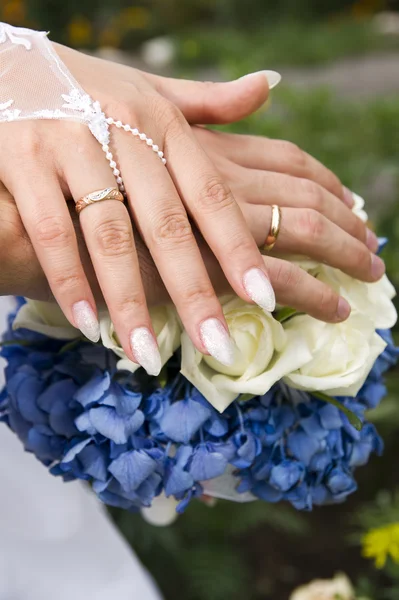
(352, 418)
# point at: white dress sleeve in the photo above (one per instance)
(36, 84)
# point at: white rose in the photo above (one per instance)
(358, 208)
(342, 354)
(265, 353)
(46, 318)
(166, 326)
(326, 589)
(371, 299)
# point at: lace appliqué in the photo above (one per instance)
(14, 35)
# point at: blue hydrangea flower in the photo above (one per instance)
(133, 439)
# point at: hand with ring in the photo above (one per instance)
(307, 194)
(48, 160)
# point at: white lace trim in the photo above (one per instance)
(68, 99)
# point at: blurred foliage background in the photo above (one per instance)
(339, 100)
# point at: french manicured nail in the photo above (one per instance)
(371, 240)
(145, 350)
(377, 267)
(259, 289)
(273, 78)
(217, 341)
(343, 310)
(348, 198)
(86, 320)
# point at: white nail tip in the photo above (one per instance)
(273, 78)
(259, 289)
(145, 350)
(86, 320)
(217, 341)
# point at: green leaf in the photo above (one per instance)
(285, 313)
(352, 418)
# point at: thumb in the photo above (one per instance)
(206, 102)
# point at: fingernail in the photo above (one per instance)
(273, 78)
(217, 341)
(371, 240)
(259, 289)
(343, 310)
(348, 198)
(377, 267)
(86, 320)
(145, 350)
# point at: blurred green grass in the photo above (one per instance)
(278, 44)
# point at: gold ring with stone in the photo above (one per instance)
(110, 193)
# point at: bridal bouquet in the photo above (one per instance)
(285, 422)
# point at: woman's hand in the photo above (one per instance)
(21, 273)
(47, 160)
(316, 218)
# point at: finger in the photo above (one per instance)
(218, 217)
(297, 289)
(45, 216)
(206, 102)
(308, 233)
(266, 188)
(294, 287)
(165, 228)
(281, 157)
(109, 238)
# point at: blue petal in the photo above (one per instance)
(115, 428)
(183, 419)
(75, 449)
(320, 461)
(94, 462)
(177, 481)
(266, 492)
(60, 390)
(340, 483)
(302, 446)
(24, 390)
(285, 475)
(132, 468)
(330, 417)
(61, 419)
(206, 464)
(123, 400)
(93, 390)
(83, 424)
(312, 426)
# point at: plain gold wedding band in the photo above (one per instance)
(111, 193)
(274, 229)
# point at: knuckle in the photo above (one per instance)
(129, 304)
(53, 232)
(312, 224)
(114, 237)
(121, 109)
(66, 280)
(170, 117)
(314, 193)
(172, 226)
(361, 260)
(327, 302)
(286, 275)
(30, 144)
(294, 155)
(215, 195)
(198, 294)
